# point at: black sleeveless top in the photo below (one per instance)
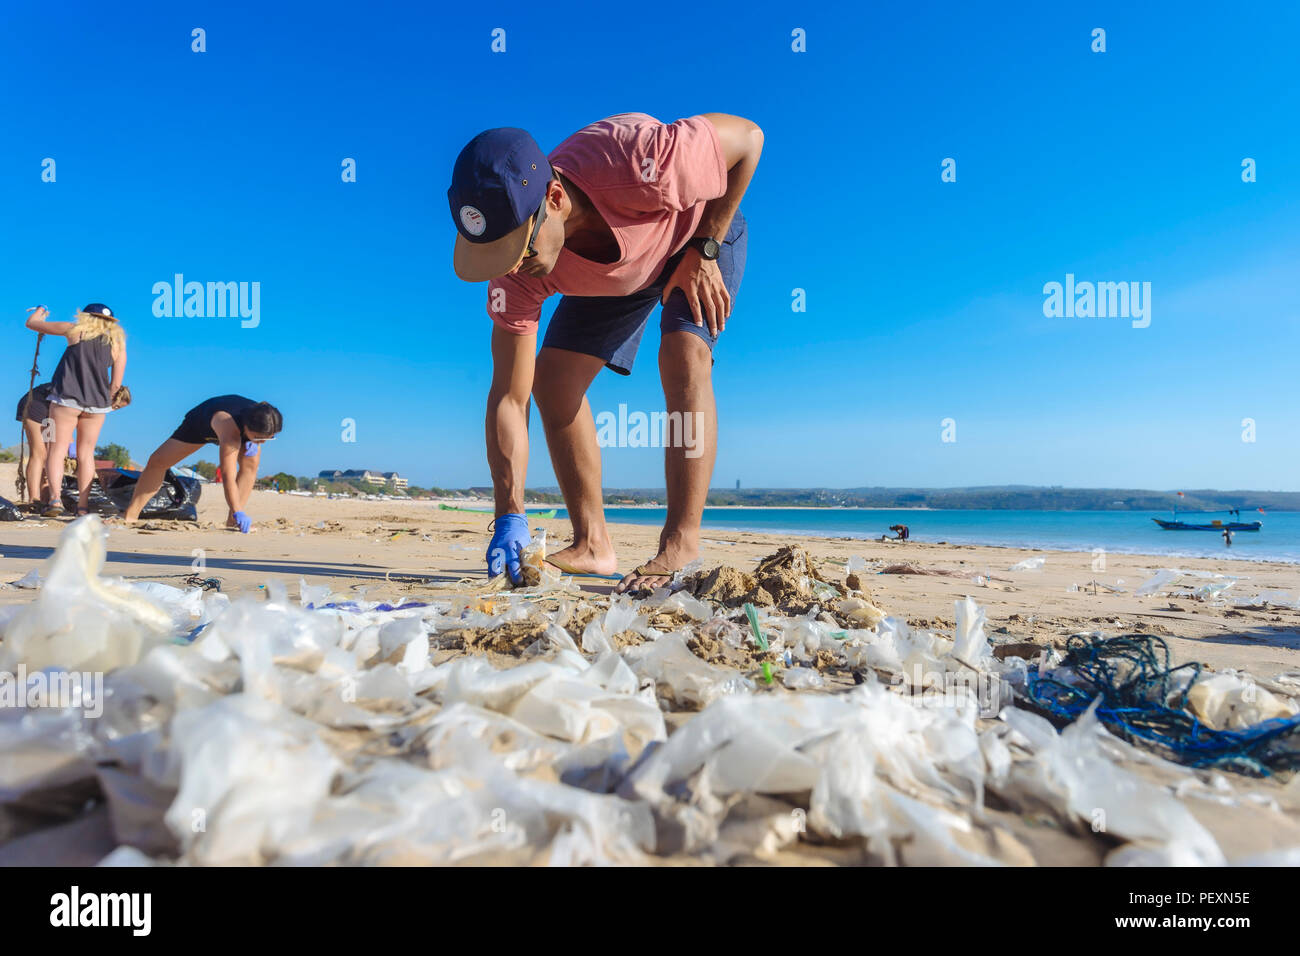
(82, 375)
(196, 428)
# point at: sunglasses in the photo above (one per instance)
(529, 252)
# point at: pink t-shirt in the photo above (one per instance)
(650, 181)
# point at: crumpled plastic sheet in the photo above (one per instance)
(319, 731)
(1229, 701)
(1074, 776)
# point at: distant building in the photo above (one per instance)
(366, 477)
(363, 475)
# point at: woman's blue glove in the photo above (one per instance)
(509, 536)
(250, 448)
(243, 521)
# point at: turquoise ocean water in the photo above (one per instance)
(1114, 531)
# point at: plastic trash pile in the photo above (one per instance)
(320, 730)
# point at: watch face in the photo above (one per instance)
(711, 248)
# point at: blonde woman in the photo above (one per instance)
(86, 386)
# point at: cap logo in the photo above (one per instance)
(472, 220)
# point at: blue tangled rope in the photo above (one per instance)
(1145, 703)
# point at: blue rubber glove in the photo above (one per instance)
(250, 448)
(509, 536)
(243, 521)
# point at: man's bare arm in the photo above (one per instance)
(513, 358)
(742, 145)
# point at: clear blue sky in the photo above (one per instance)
(924, 298)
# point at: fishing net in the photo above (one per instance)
(1145, 702)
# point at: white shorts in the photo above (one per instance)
(69, 403)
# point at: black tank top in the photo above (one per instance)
(82, 375)
(200, 416)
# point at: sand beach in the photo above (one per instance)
(390, 554)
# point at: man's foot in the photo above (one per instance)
(659, 570)
(583, 559)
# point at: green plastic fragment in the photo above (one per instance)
(753, 623)
(767, 672)
(840, 635)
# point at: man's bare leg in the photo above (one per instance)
(169, 453)
(686, 370)
(560, 385)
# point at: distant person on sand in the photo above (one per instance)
(900, 530)
(34, 416)
(238, 426)
(1227, 537)
(626, 214)
(87, 385)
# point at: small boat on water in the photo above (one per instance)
(1215, 525)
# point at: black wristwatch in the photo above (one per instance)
(707, 246)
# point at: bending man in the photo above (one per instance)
(625, 214)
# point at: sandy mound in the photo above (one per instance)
(787, 580)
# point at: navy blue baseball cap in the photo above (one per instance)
(497, 188)
(99, 309)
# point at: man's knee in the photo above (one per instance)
(685, 362)
(558, 388)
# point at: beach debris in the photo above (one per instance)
(1144, 700)
(1157, 581)
(1073, 774)
(78, 620)
(10, 511)
(488, 728)
(30, 580)
(1230, 701)
(1269, 598)
(1029, 564)
(111, 493)
(906, 568)
(788, 580)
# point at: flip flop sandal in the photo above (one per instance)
(53, 511)
(644, 571)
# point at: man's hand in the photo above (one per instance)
(509, 536)
(701, 282)
(243, 522)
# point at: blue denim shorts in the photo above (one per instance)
(610, 327)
